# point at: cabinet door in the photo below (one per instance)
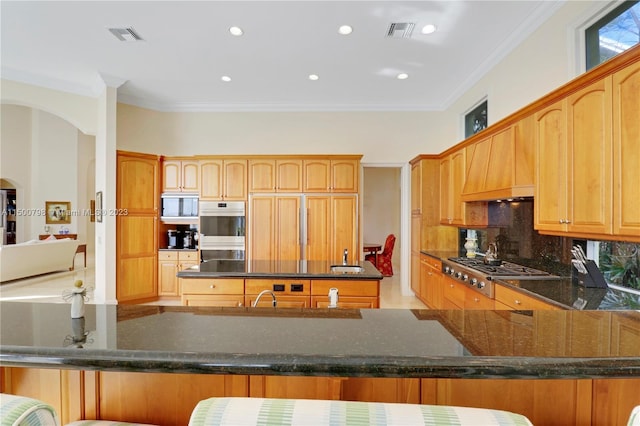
(589, 152)
(262, 235)
(344, 228)
(167, 270)
(476, 300)
(416, 188)
(190, 176)
(262, 175)
(289, 175)
(317, 175)
(445, 192)
(211, 179)
(222, 301)
(416, 226)
(344, 175)
(137, 254)
(551, 182)
(137, 184)
(453, 294)
(235, 180)
(458, 173)
(171, 176)
(287, 228)
(626, 151)
(318, 211)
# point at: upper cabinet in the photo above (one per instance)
(275, 175)
(574, 151)
(223, 179)
(180, 175)
(453, 211)
(501, 166)
(331, 175)
(626, 151)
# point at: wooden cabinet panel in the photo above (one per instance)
(453, 293)
(223, 179)
(517, 300)
(346, 287)
(613, 400)
(416, 273)
(122, 395)
(137, 191)
(544, 402)
(476, 300)
(332, 226)
(275, 228)
(626, 151)
(213, 286)
(453, 211)
(220, 301)
(180, 175)
(625, 338)
(262, 175)
(282, 300)
(431, 282)
(339, 175)
(167, 270)
(347, 302)
(295, 387)
(289, 175)
(400, 390)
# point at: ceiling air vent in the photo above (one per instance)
(125, 34)
(400, 29)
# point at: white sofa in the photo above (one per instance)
(36, 257)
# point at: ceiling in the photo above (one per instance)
(187, 48)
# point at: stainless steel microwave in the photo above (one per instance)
(179, 206)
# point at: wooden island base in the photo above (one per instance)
(168, 399)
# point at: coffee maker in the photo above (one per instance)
(189, 239)
(172, 239)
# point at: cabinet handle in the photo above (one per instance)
(212, 286)
(451, 285)
(239, 303)
(518, 302)
(475, 299)
(561, 221)
(567, 221)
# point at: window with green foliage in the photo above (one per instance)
(620, 263)
(614, 33)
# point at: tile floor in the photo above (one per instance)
(49, 288)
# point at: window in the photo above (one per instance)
(618, 261)
(475, 120)
(616, 32)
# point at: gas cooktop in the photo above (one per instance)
(504, 270)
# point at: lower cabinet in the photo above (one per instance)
(168, 399)
(453, 294)
(223, 292)
(506, 298)
(170, 262)
(289, 293)
(351, 294)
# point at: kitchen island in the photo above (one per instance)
(119, 354)
(292, 284)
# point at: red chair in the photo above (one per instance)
(384, 259)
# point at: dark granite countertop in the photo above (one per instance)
(309, 269)
(565, 293)
(323, 342)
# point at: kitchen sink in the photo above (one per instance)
(347, 269)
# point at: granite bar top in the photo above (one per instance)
(566, 293)
(323, 342)
(310, 269)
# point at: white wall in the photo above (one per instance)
(47, 159)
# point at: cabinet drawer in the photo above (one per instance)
(431, 262)
(520, 301)
(212, 286)
(188, 255)
(286, 286)
(164, 255)
(222, 301)
(346, 288)
(284, 301)
(454, 292)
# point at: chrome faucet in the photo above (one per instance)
(273, 296)
(345, 255)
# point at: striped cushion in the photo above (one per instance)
(634, 420)
(262, 411)
(103, 423)
(22, 411)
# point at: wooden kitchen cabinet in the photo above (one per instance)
(453, 211)
(275, 175)
(626, 152)
(275, 228)
(223, 179)
(416, 275)
(431, 277)
(180, 175)
(453, 293)
(289, 293)
(574, 152)
(513, 299)
(170, 262)
(332, 226)
(331, 175)
(351, 294)
(137, 192)
(220, 292)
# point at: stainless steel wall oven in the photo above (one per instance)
(222, 234)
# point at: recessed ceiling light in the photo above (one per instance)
(313, 77)
(428, 29)
(236, 31)
(226, 78)
(402, 76)
(345, 29)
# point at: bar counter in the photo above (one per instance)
(323, 342)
